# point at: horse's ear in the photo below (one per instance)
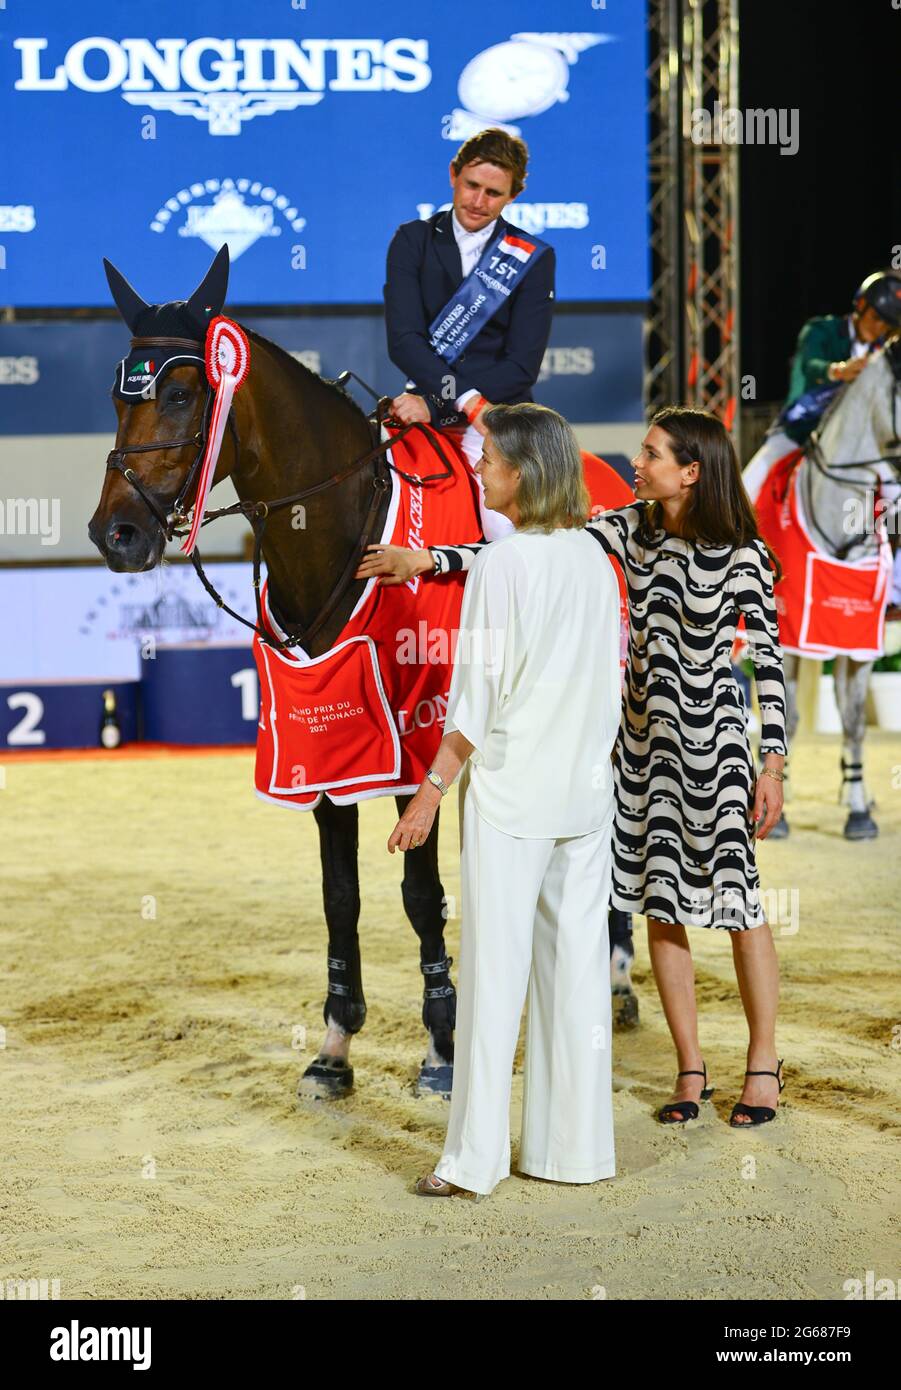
(208, 298)
(128, 301)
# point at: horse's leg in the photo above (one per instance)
(331, 1075)
(425, 905)
(851, 681)
(622, 954)
(791, 668)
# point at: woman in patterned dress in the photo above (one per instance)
(688, 803)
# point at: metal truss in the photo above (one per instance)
(691, 341)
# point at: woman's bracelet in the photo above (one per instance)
(772, 772)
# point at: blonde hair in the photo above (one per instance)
(542, 445)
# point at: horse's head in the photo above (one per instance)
(161, 395)
(861, 423)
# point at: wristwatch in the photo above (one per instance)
(436, 781)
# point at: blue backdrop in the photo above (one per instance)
(55, 378)
(303, 134)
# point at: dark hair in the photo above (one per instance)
(495, 146)
(718, 508)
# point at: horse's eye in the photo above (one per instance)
(180, 397)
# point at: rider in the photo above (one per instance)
(468, 302)
(830, 350)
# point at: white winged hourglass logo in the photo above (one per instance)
(224, 112)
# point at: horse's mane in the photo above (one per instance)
(306, 375)
(840, 396)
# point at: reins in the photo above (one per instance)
(174, 521)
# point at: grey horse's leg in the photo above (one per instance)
(622, 954)
(852, 679)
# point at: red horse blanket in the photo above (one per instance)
(826, 607)
(365, 719)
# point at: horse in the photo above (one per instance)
(854, 451)
(289, 429)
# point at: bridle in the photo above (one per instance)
(176, 516)
(174, 521)
(814, 452)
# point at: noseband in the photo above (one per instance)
(175, 522)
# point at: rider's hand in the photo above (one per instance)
(408, 408)
(395, 563)
(847, 371)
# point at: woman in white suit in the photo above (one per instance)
(534, 705)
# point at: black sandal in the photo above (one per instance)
(757, 1114)
(688, 1108)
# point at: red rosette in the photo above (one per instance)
(227, 352)
(227, 361)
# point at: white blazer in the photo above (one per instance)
(536, 682)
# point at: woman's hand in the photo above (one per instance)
(414, 825)
(767, 804)
(395, 563)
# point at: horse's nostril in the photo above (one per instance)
(119, 535)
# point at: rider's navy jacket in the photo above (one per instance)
(503, 361)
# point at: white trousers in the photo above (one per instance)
(534, 919)
(494, 524)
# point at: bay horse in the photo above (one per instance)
(854, 452)
(290, 429)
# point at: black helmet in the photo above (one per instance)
(882, 291)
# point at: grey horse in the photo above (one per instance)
(854, 451)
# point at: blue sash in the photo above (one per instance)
(502, 266)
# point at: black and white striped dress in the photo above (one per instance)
(684, 847)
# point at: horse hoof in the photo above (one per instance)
(327, 1078)
(625, 1010)
(780, 829)
(860, 826)
(435, 1081)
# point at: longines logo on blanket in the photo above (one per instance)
(228, 216)
(227, 81)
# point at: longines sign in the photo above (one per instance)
(303, 136)
(263, 75)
